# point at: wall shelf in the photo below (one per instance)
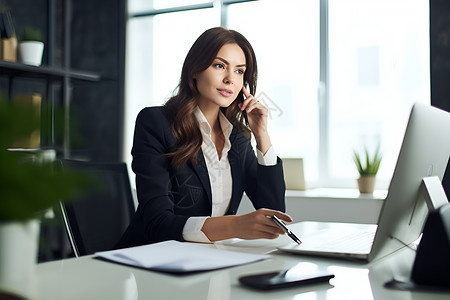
(81, 77)
(45, 72)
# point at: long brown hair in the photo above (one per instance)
(181, 107)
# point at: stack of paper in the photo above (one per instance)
(178, 257)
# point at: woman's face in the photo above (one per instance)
(222, 81)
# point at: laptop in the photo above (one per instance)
(424, 153)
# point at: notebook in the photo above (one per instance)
(178, 257)
(424, 154)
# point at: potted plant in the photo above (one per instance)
(31, 46)
(29, 185)
(367, 167)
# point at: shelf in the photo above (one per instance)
(329, 205)
(336, 193)
(44, 72)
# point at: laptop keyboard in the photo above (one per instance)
(357, 242)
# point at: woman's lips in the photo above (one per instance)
(225, 92)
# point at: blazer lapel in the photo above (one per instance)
(202, 173)
(233, 158)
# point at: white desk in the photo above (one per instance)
(89, 278)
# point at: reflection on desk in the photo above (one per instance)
(89, 278)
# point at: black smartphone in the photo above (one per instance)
(244, 113)
(283, 279)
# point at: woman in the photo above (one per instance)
(193, 158)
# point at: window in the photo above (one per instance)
(336, 75)
(285, 38)
(155, 53)
(378, 67)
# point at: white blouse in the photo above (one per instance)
(219, 172)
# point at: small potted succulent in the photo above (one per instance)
(367, 167)
(31, 46)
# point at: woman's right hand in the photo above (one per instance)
(254, 225)
(259, 224)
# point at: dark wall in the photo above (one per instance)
(440, 62)
(98, 45)
(440, 53)
(20, 11)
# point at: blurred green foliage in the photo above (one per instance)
(368, 165)
(31, 34)
(29, 184)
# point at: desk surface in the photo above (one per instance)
(89, 278)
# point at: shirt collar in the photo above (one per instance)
(226, 126)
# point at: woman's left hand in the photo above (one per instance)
(257, 120)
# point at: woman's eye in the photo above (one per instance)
(241, 72)
(220, 66)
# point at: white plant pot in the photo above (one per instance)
(366, 184)
(30, 52)
(18, 256)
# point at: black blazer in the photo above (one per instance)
(168, 196)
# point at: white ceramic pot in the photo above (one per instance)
(30, 52)
(18, 256)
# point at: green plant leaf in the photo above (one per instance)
(29, 185)
(372, 164)
(31, 34)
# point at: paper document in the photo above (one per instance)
(178, 257)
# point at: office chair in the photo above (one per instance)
(96, 219)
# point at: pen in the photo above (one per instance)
(289, 233)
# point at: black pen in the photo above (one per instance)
(288, 232)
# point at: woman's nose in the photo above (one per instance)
(228, 78)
